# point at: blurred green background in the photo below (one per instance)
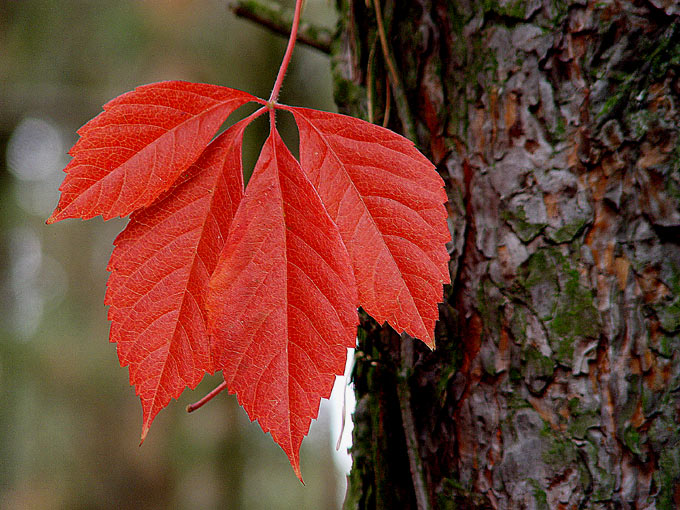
(69, 421)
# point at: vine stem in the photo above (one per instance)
(400, 100)
(287, 56)
(413, 450)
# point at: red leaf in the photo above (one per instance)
(387, 201)
(135, 150)
(282, 302)
(160, 272)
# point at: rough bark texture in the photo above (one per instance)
(556, 380)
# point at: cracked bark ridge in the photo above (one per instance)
(555, 383)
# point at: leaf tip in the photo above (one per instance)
(427, 340)
(298, 473)
(145, 431)
(294, 459)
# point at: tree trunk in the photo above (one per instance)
(556, 378)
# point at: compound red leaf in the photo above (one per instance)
(262, 286)
(387, 201)
(160, 271)
(282, 301)
(136, 149)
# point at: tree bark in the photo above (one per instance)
(556, 378)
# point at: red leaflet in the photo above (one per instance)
(387, 201)
(139, 145)
(160, 271)
(282, 302)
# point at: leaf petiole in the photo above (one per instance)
(255, 114)
(196, 405)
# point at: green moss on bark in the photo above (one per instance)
(456, 496)
(569, 231)
(517, 219)
(668, 477)
(669, 315)
(537, 370)
(540, 497)
(575, 317)
(583, 416)
(576, 314)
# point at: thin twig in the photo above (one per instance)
(369, 80)
(404, 394)
(399, 95)
(388, 103)
(273, 17)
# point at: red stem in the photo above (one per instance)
(192, 407)
(287, 56)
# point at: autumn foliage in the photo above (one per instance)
(262, 285)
